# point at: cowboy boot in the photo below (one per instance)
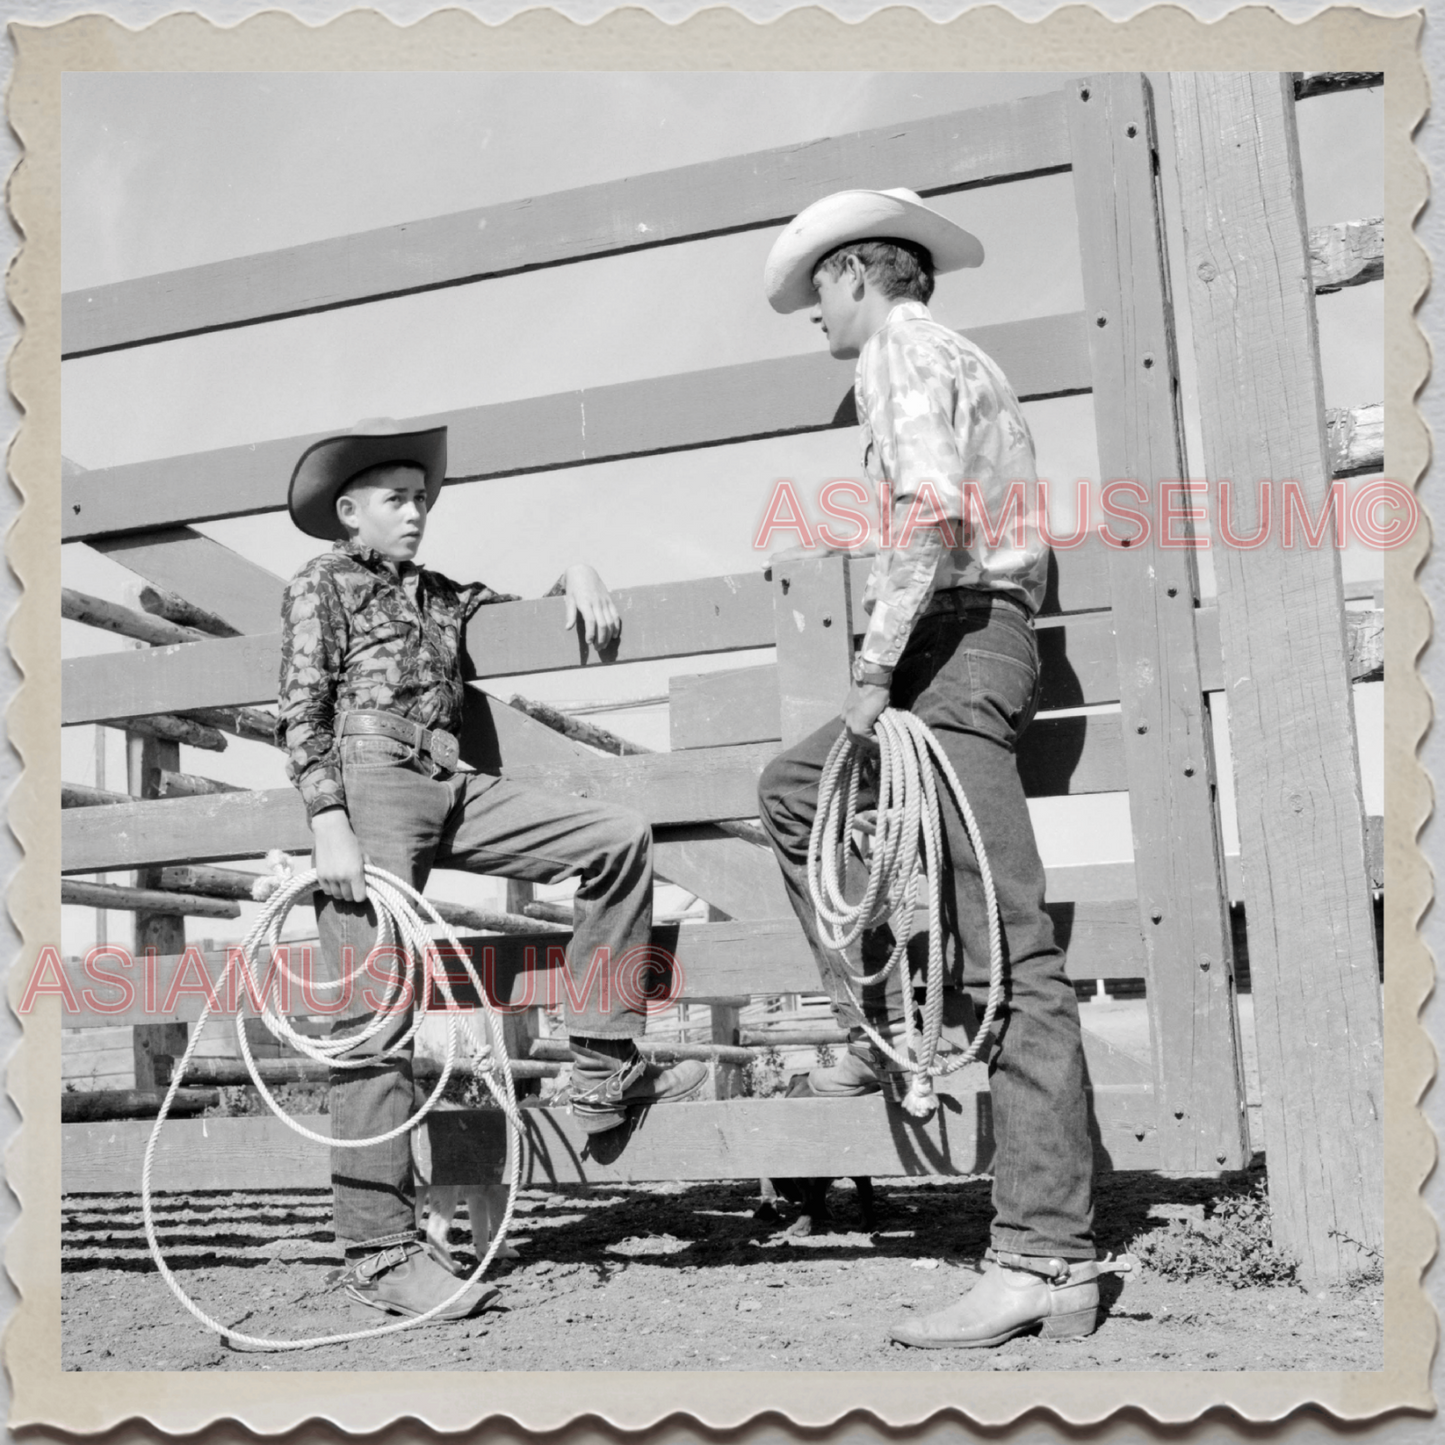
(1016, 1293)
(610, 1074)
(405, 1279)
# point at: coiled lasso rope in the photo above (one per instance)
(403, 917)
(909, 815)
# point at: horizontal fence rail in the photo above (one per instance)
(982, 146)
(1048, 356)
(735, 1138)
(711, 961)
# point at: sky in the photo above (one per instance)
(164, 171)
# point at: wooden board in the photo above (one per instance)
(713, 1139)
(1317, 999)
(1077, 658)
(193, 566)
(780, 396)
(1166, 737)
(720, 960)
(814, 628)
(1057, 756)
(740, 880)
(965, 148)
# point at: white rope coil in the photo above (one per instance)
(404, 918)
(909, 824)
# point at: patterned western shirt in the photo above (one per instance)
(360, 632)
(937, 415)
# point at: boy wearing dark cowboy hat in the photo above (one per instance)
(370, 704)
(950, 637)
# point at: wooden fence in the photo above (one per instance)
(1122, 625)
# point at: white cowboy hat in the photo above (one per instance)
(896, 215)
(326, 466)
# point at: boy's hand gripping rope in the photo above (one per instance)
(908, 815)
(403, 918)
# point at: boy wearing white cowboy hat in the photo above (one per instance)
(950, 637)
(370, 703)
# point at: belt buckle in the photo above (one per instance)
(445, 750)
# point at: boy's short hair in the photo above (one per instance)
(902, 270)
(372, 476)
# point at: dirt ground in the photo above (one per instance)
(664, 1277)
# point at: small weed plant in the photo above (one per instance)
(1232, 1246)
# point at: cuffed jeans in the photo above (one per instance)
(972, 676)
(409, 821)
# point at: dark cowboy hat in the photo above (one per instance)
(326, 466)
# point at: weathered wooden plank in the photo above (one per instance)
(1077, 659)
(965, 148)
(711, 1139)
(706, 961)
(1365, 639)
(1349, 253)
(814, 628)
(1356, 439)
(667, 619)
(163, 932)
(1057, 755)
(740, 880)
(712, 614)
(189, 564)
(1318, 1016)
(213, 673)
(706, 709)
(79, 893)
(1167, 743)
(1047, 356)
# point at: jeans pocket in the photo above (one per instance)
(365, 750)
(1003, 693)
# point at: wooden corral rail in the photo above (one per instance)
(1122, 630)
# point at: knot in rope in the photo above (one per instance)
(907, 851)
(404, 921)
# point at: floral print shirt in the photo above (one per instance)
(938, 415)
(361, 632)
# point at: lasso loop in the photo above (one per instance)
(404, 919)
(907, 850)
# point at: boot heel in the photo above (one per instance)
(1072, 1326)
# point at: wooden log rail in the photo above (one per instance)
(77, 893)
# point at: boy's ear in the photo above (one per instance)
(345, 505)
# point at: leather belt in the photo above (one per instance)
(438, 744)
(959, 600)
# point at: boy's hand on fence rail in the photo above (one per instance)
(337, 857)
(587, 594)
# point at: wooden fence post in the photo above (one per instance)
(813, 620)
(163, 932)
(1318, 1014)
(1178, 857)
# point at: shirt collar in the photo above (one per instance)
(370, 557)
(909, 311)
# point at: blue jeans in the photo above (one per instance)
(410, 817)
(972, 676)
